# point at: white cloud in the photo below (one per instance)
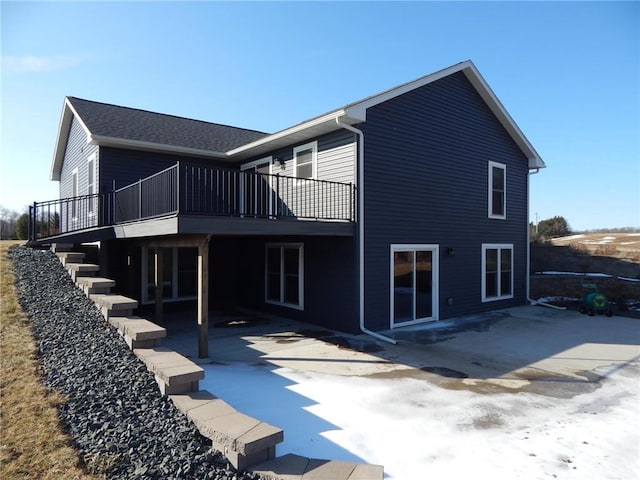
(32, 63)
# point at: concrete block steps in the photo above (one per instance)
(62, 247)
(173, 372)
(242, 439)
(77, 270)
(138, 332)
(70, 257)
(92, 285)
(114, 305)
(295, 467)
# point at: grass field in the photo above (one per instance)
(613, 254)
(33, 444)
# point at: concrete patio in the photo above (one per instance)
(513, 377)
(531, 348)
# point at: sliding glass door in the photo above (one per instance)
(414, 284)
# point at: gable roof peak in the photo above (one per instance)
(111, 125)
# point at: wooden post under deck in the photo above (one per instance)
(159, 280)
(203, 298)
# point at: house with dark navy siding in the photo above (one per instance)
(408, 206)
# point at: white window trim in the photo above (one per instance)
(499, 247)
(75, 192)
(91, 203)
(145, 300)
(435, 267)
(314, 159)
(502, 166)
(260, 161)
(300, 247)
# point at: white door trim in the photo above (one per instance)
(435, 277)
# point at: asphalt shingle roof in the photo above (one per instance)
(133, 124)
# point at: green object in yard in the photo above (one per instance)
(593, 301)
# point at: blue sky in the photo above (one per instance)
(567, 72)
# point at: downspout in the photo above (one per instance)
(360, 219)
(529, 299)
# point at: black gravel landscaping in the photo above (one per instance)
(118, 420)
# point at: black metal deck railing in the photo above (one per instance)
(197, 190)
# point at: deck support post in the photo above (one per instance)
(159, 280)
(203, 297)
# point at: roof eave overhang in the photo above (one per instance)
(116, 142)
(492, 101)
(357, 112)
(297, 134)
(68, 113)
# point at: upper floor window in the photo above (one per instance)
(497, 190)
(74, 194)
(91, 175)
(305, 160)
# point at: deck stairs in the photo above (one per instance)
(246, 442)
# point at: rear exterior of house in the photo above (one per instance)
(405, 207)
(445, 207)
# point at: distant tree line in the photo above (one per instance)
(558, 226)
(552, 227)
(609, 230)
(13, 225)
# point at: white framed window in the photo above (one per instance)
(91, 184)
(74, 194)
(497, 272)
(179, 274)
(284, 274)
(497, 191)
(305, 161)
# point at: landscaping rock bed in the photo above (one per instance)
(118, 420)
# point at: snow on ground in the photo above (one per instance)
(594, 274)
(417, 429)
(571, 237)
(578, 274)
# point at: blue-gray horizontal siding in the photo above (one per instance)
(426, 180)
(125, 167)
(237, 274)
(335, 163)
(77, 153)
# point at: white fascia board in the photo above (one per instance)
(68, 113)
(485, 91)
(297, 131)
(359, 109)
(105, 141)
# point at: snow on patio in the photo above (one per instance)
(582, 419)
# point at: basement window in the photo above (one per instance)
(497, 272)
(179, 274)
(284, 275)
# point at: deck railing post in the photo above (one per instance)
(114, 203)
(32, 231)
(178, 188)
(277, 195)
(351, 194)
